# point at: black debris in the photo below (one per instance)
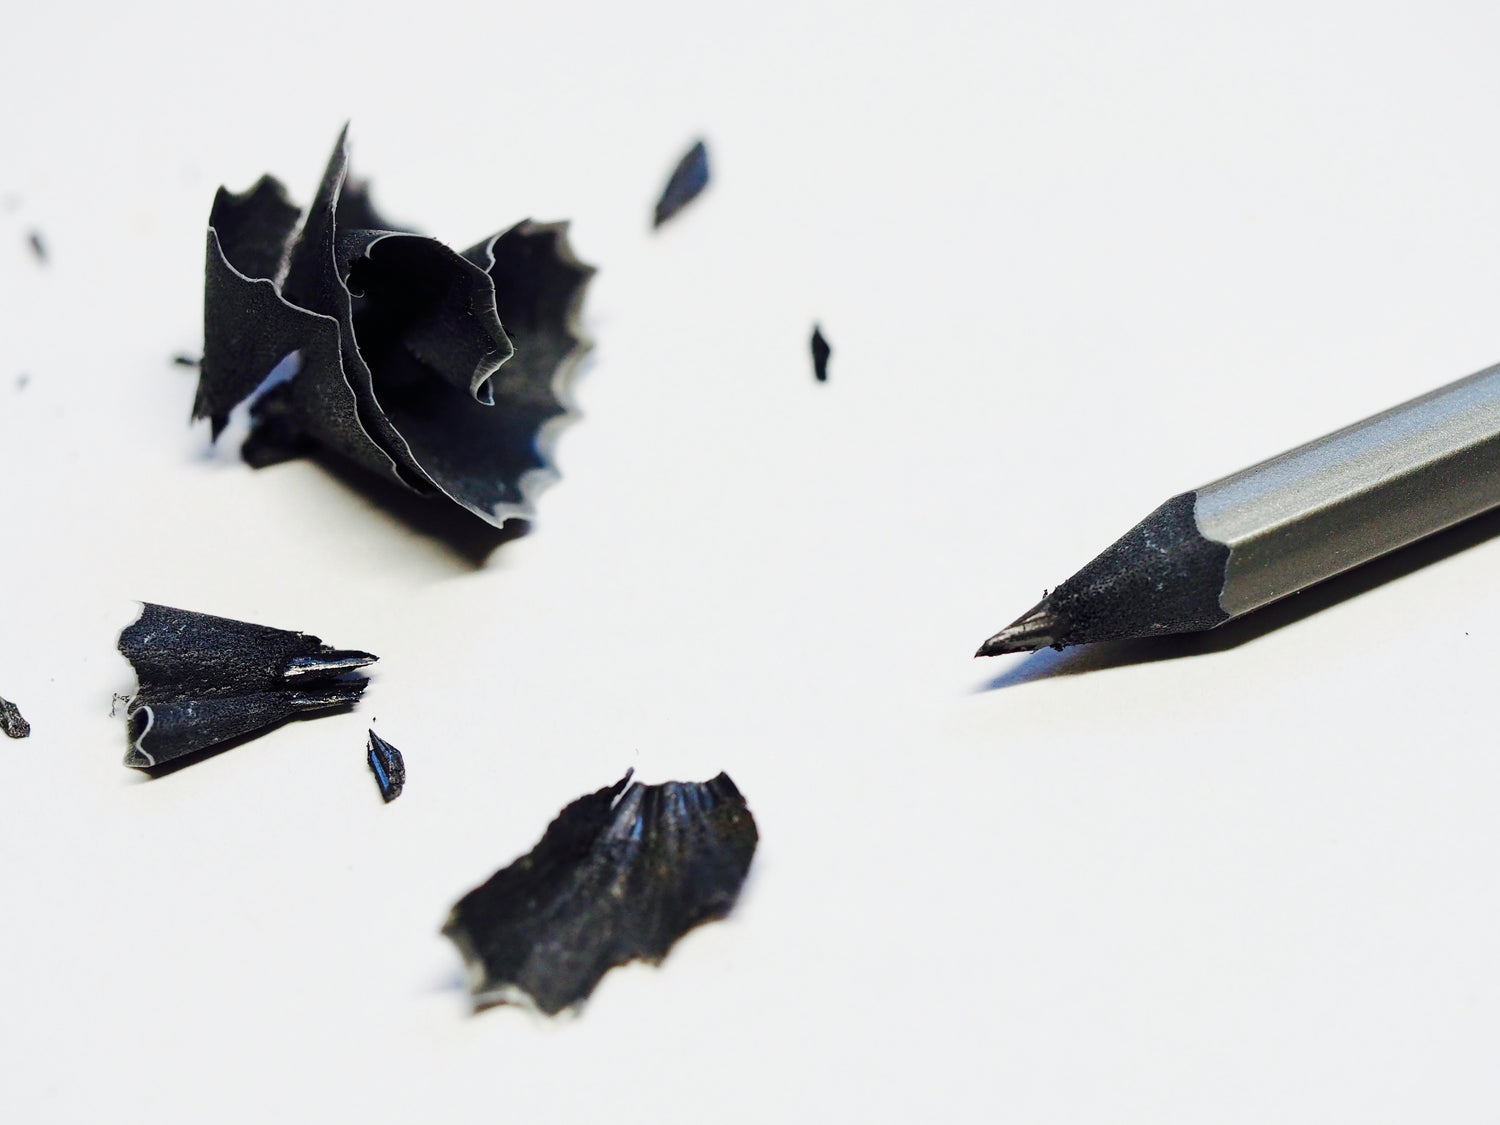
(11, 721)
(38, 247)
(820, 353)
(388, 767)
(186, 361)
(620, 874)
(688, 179)
(204, 680)
(405, 367)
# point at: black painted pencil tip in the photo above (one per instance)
(1037, 628)
(1162, 576)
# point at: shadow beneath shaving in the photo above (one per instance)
(1048, 663)
(453, 980)
(464, 533)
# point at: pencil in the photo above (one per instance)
(1208, 556)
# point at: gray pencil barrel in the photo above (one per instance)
(1356, 494)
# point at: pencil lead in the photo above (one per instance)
(1037, 628)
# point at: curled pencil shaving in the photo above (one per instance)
(445, 372)
(388, 767)
(204, 680)
(620, 874)
(688, 179)
(11, 722)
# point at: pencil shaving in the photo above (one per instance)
(11, 722)
(388, 766)
(619, 875)
(204, 680)
(445, 372)
(685, 184)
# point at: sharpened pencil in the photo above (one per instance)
(1208, 556)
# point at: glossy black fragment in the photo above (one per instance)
(688, 179)
(204, 680)
(11, 722)
(405, 364)
(388, 767)
(820, 353)
(184, 360)
(620, 874)
(38, 247)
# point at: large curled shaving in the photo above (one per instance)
(445, 372)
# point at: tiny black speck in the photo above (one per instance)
(688, 179)
(820, 353)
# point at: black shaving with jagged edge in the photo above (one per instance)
(445, 372)
(204, 680)
(620, 874)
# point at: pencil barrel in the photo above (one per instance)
(1354, 495)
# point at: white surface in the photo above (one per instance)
(1071, 261)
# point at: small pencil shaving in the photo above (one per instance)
(11, 722)
(205, 680)
(685, 184)
(388, 766)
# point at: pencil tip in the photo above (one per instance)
(1037, 628)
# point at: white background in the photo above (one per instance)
(1071, 261)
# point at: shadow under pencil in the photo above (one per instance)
(1048, 663)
